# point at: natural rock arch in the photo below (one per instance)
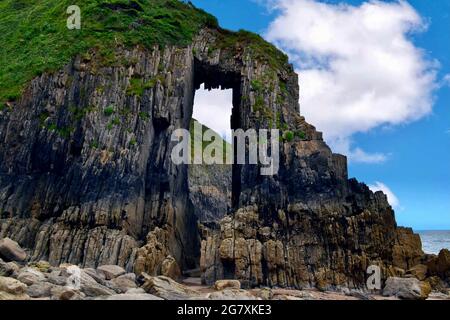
(86, 176)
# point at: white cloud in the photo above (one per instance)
(358, 68)
(392, 198)
(213, 109)
(446, 80)
(343, 145)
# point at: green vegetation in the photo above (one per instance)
(63, 132)
(138, 86)
(115, 121)
(144, 116)
(79, 113)
(94, 145)
(35, 39)
(257, 86)
(133, 142)
(260, 48)
(288, 136)
(300, 134)
(109, 111)
(196, 136)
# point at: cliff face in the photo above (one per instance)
(85, 168)
(86, 175)
(209, 185)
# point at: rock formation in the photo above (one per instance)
(86, 175)
(210, 188)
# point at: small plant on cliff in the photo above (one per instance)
(300, 134)
(288, 136)
(143, 116)
(109, 111)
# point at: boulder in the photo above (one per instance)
(125, 282)
(167, 288)
(40, 290)
(57, 278)
(227, 284)
(231, 294)
(7, 269)
(92, 288)
(406, 288)
(30, 276)
(170, 268)
(97, 275)
(11, 251)
(437, 284)
(440, 265)
(65, 293)
(419, 271)
(111, 271)
(12, 289)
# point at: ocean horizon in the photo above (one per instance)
(434, 241)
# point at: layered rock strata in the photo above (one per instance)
(86, 175)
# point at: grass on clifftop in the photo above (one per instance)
(34, 36)
(197, 137)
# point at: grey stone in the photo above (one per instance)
(92, 288)
(167, 288)
(11, 251)
(406, 288)
(111, 271)
(125, 282)
(40, 290)
(30, 276)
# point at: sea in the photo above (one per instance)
(434, 241)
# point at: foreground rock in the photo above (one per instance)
(167, 288)
(30, 276)
(227, 284)
(231, 294)
(440, 265)
(11, 251)
(111, 272)
(8, 268)
(44, 282)
(12, 289)
(407, 288)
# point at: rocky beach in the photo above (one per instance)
(41, 281)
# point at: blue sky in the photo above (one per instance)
(407, 153)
